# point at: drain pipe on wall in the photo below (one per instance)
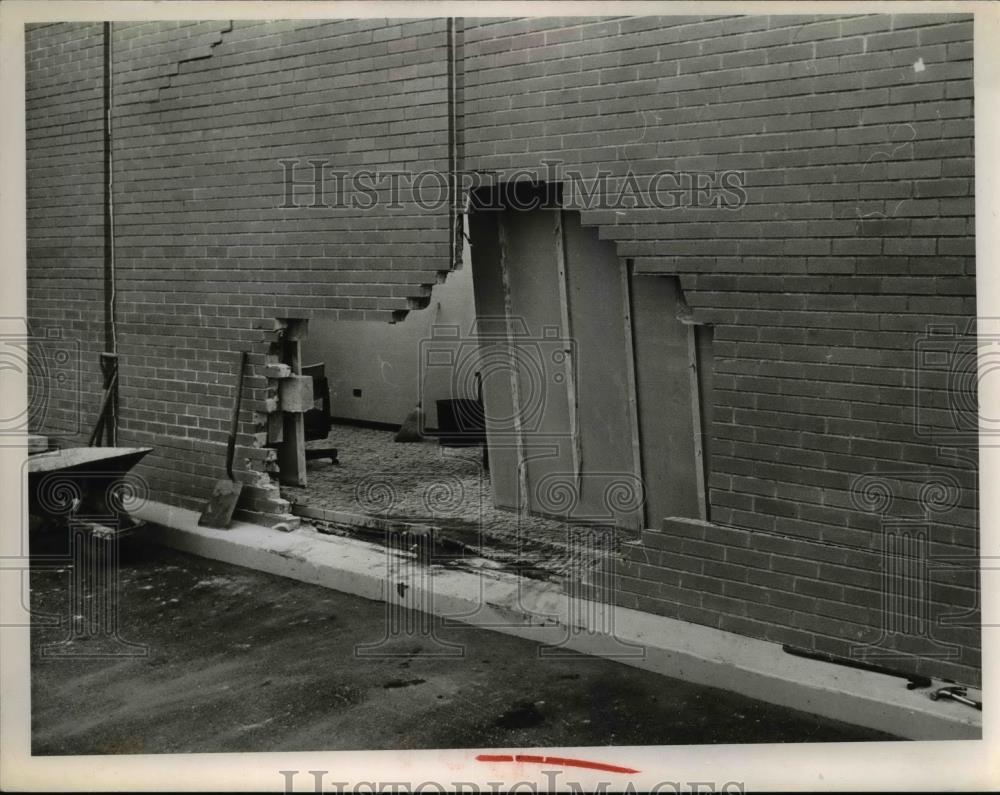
(109, 358)
(456, 208)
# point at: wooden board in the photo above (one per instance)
(292, 448)
(596, 310)
(494, 360)
(664, 395)
(540, 343)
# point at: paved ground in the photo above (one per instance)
(244, 661)
(444, 487)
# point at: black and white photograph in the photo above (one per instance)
(548, 386)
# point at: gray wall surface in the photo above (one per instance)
(383, 360)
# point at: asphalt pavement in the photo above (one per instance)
(204, 656)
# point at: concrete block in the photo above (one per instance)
(295, 393)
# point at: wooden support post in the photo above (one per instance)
(292, 447)
(275, 427)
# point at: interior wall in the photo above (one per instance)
(383, 360)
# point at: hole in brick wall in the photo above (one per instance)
(510, 410)
(673, 368)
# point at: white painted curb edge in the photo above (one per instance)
(540, 611)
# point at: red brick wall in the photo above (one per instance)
(855, 138)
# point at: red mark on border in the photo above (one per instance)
(555, 760)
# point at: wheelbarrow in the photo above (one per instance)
(88, 486)
(79, 501)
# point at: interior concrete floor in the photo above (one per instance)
(239, 660)
(446, 488)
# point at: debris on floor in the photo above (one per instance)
(445, 489)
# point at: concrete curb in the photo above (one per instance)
(540, 611)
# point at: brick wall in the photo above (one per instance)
(855, 138)
(65, 200)
(209, 249)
